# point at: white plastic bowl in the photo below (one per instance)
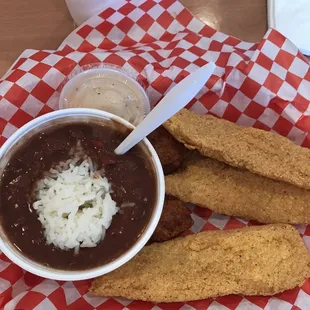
(67, 116)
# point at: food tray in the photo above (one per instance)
(265, 85)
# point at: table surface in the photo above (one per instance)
(44, 24)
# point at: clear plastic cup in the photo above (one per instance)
(108, 88)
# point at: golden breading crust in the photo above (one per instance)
(232, 191)
(261, 152)
(261, 260)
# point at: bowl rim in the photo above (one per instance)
(65, 275)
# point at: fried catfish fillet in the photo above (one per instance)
(224, 189)
(258, 260)
(261, 152)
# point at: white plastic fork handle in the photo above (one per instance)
(176, 99)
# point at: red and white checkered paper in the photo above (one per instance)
(264, 85)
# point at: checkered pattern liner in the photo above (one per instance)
(264, 85)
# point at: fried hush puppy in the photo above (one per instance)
(169, 150)
(261, 152)
(174, 220)
(224, 189)
(257, 260)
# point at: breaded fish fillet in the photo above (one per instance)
(259, 151)
(232, 191)
(261, 260)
